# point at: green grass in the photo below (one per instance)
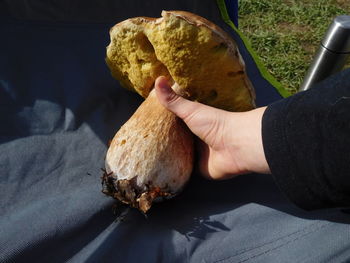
(286, 33)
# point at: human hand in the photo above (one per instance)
(230, 143)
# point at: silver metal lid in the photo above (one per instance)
(337, 37)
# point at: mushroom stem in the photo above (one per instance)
(149, 158)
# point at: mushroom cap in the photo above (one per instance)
(185, 48)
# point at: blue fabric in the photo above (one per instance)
(232, 10)
(59, 106)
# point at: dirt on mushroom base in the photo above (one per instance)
(150, 157)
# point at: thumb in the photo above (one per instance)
(204, 121)
(180, 106)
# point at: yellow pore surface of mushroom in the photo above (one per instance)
(188, 50)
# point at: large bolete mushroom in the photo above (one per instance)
(151, 156)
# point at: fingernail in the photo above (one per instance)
(164, 86)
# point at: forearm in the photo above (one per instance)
(307, 140)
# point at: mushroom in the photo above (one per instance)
(151, 156)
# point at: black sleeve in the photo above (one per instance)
(306, 140)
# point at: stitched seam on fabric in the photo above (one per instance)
(285, 136)
(323, 175)
(243, 251)
(333, 191)
(290, 153)
(303, 232)
(313, 196)
(279, 132)
(284, 244)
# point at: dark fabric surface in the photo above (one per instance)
(59, 106)
(307, 144)
(106, 11)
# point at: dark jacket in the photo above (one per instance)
(306, 140)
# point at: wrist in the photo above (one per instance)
(246, 138)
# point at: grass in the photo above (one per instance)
(286, 33)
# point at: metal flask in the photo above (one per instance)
(332, 54)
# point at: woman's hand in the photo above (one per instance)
(230, 143)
